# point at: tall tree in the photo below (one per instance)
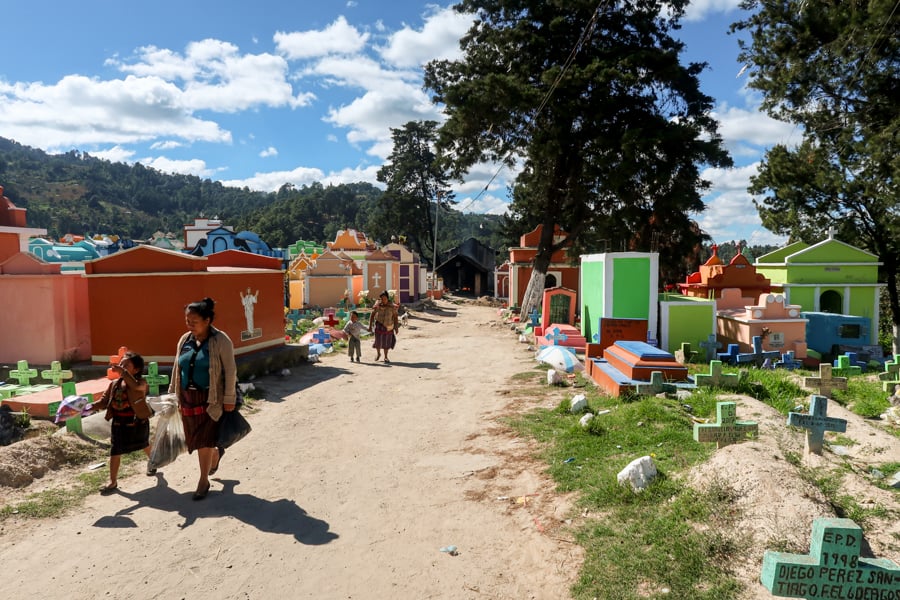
(833, 68)
(609, 126)
(417, 185)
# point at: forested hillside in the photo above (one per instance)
(77, 193)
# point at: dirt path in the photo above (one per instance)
(354, 478)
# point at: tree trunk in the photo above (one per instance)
(535, 291)
(894, 303)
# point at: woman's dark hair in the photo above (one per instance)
(204, 308)
(385, 294)
(136, 359)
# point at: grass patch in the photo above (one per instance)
(864, 397)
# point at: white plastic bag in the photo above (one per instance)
(168, 442)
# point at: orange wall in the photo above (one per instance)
(326, 291)
(146, 312)
(9, 245)
(44, 318)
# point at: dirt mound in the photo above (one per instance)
(23, 462)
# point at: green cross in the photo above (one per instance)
(891, 374)
(657, 385)
(727, 429)
(154, 379)
(68, 389)
(685, 355)
(23, 374)
(825, 383)
(844, 368)
(832, 569)
(56, 373)
(341, 314)
(716, 378)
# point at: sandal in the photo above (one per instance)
(106, 490)
(198, 495)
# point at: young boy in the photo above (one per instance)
(354, 329)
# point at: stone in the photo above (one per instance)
(553, 377)
(578, 404)
(816, 422)
(585, 420)
(894, 481)
(684, 354)
(639, 473)
(727, 429)
(832, 569)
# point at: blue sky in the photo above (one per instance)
(269, 92)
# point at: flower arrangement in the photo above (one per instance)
(363, 299)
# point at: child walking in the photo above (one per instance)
(354, 329)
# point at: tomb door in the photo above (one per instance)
(831, 302)
(559, 309)
(551, 281)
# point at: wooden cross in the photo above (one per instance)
(825, 383)
(758, 356)
(716, 378)
(556, 337)
(844, 368)
(154, 379)
(322, 336)
(710, 346)
(816, 422)
(23, 374)
(115, 360)
(656, 386)
(727, 429)
(56, 373)
(832, 569)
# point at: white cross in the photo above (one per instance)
(377, 278)
(831, 232)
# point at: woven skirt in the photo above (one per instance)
(128, 434)
(200, 431)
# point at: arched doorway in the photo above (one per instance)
(831, 302)
(550, 281)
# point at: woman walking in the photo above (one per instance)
(205, 379)
(383, 321)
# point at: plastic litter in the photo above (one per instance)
(451, 550)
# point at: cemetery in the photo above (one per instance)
(657, 371)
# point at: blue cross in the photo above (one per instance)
(758, 355)
(788, 361)
(710, 346)
(534, 317)
(730, 356)
(817, 422)
(556, 337)
(322, 336)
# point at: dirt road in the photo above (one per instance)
(354, 478)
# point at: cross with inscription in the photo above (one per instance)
(115, 360)
(656, 386)
(825, 383)
(843, 367)
(832, 569)
(716, 378)
(56, 373)
(322, 336)
(758, 356)
(816, 422)
(23, 374)
(727, 429)
(154, 379)
(555, 337)
(710, 346)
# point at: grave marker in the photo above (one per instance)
(56, 373)
(656, 386)
(534, 318)
(620, 330)
(844, 368)
(154, 379)
(816, 422)
(556, 337)
(115, 360)
(322, 336)
(330, 320)
(727, 429)
(716, 378)
(832, 569)
(23, 374)
(891, 374)
(758, 356)
(684, 354)
(788, 361)
(710, 346)
(825, 383)
(729, 357)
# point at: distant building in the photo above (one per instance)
(469, 268)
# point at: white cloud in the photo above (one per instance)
(741, 126)
(194, 166)
(80, 111)
(270, 151)
(273, 180)
(438, 39)
(487, 204)
(338, 38)
(353, 175)
(114, 154)
(167, 145)
(697, 10)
